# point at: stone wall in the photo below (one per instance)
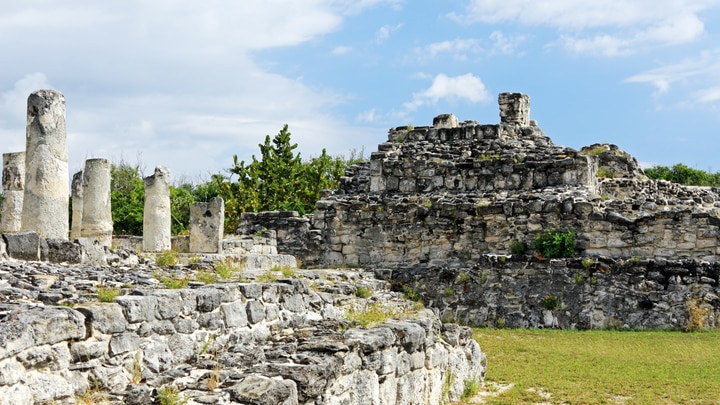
(520, 291)
(229, 343)
(448, 195)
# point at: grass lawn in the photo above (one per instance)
(602, 367)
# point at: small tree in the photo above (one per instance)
(127, 199)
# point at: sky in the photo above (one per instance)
(188, 84)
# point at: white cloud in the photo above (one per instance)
(702, 70)
(341, 50)
(459, 48)
(383, 33)
(606, 27)
(350, 7)
(174, 83)
(368, 116)
(503, 44)
(709, 95)
(466, 87)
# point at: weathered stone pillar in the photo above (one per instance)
(96, 214)
(13, 184)
(514, 108)
(46, 197)
(156, 215)
(206, 226)
(77, 205)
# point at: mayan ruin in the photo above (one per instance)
(451, 211)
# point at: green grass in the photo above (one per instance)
(369, 316)
(603, 367)
(172, 281)
(166, 258)
(107, 294)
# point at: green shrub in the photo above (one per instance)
(206, 277)
(555, 243)
(170, 395)
(517, 247)
(411, 294)
(363, 292)
(551, 302)
(371, 315)
(107, 294)
(472, 387)
(225, 270)
(605, 173)
(166, 258)
(172, 282)
(588, 262)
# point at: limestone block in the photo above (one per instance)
(156, 214)
(137, 308)
(87, 350)
(22, 246)
(63, 251)
(123, 343)
(13, 186)
(170, 303)
(445, 121)
(45, 200)
(235, 314)
(206, 226)
(257, 389)
(96, 217)
(104, 317)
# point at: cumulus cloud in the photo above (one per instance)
(384, 32)
(458, 48)
(466, 87)
(178, 85)
(341, 50)
(461, 49)
(698, 71)
(604, 27)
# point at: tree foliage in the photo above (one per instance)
(682, 174)
(278, 180)
(127, 195)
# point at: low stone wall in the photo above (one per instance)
(593, 293)
(383, 230)
(251, 343)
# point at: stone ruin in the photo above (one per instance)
(440, 208)
(36, 199)
(286, 341)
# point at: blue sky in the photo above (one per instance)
(187, 84)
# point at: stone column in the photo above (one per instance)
(46, 197)
(77, 205)
(514, 108)
(206, 226)
(13, 184)
(96, 214)
(156, 215)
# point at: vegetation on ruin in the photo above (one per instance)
(107, 294)
(167, 258)
(278, 179)
(554, 243)
(170, 395)
(600, 367)
(372, 315)
(681, 174)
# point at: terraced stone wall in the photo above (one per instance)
(226, 344)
